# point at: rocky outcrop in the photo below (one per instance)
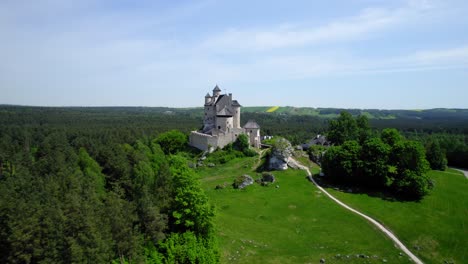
(243, 181)
(281, 153)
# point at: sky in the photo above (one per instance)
(384, 54)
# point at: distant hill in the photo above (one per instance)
(426, 114)
(437, 113)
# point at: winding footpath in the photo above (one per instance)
(460, 170)
(374, 222)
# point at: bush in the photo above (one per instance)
(242, 142)
(240, 148)
(188, 248)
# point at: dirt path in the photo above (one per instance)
(259, 159)
(387, 232)
(465, 172)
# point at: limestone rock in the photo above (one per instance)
(243, 181)
(281, 153)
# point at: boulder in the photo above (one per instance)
(243, 181)
(281, 153)
(268, 177)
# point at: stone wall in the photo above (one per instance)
(203, 141)
(228, 137)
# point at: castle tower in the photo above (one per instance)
(209, 119)
(207, 98)
(216, 91)
(253, 131)
(221, 124)
(236, 108)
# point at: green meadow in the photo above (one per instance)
(290, 221)
(436, 228)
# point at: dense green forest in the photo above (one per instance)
(112, 184)
(99, 187)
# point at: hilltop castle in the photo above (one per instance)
(221, 124)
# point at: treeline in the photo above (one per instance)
(296, 129)
(74, 195)
(138, 122)
(454, 147)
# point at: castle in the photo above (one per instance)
(221, 124)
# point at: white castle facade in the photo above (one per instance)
(221, 124)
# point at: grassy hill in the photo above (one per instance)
(294, 223)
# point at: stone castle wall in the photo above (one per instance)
(203, 141)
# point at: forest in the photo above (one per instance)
(112, 184)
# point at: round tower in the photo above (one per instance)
(207, 98)
(236, 107)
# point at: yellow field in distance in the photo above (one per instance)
(274, 108)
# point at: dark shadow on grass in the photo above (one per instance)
(383, 194)
(263, 166)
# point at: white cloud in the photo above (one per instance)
(293, 67)
(368, 21)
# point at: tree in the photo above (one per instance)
(343, 128)
(375, 157)
(436, 156)
(342, 163)
(391, 136)
(121, 217)
(364, 130)
(191, 210)
(171, 142)
(410, 179)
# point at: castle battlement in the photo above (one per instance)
(201, 134)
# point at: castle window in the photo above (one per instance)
(219, 127)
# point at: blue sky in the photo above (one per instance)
(400, 54)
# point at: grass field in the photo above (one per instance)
(294, 223)
(435, 229)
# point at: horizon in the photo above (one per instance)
(195, 107)
(361, 54)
